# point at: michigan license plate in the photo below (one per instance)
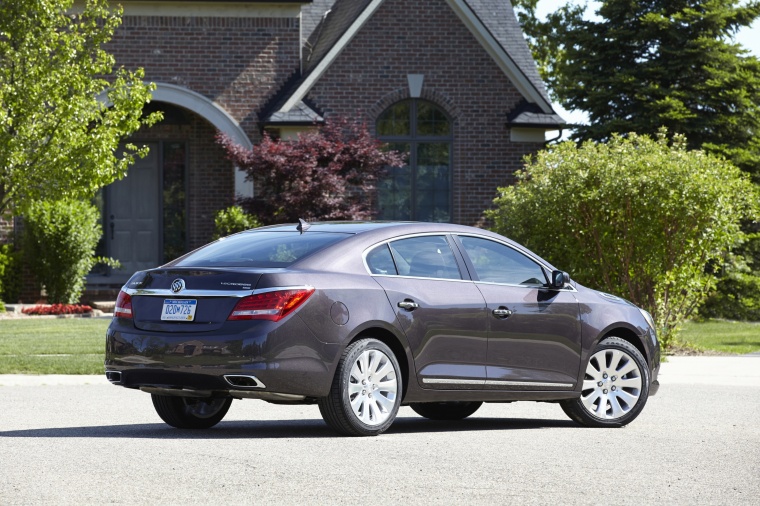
(179, 310)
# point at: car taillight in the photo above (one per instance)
(273, 305)
(123, 307)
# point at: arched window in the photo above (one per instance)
(421, 190)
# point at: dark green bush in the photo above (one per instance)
(232, 220)
(10, 273)
(59, 243)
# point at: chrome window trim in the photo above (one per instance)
(419, 277)
(410, 236)
(453, 381)
(164, 292)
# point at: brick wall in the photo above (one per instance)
(426, 37)
(239, 63)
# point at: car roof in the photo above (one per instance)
(359, 227)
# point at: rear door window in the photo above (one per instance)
(425, 257)
(260, 249)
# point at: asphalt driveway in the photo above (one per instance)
(80, 440)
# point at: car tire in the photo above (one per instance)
(366, 390)
(191, 412)
(615, 386)
(446, 410)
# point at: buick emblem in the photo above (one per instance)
(178, 285)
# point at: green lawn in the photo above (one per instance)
(52, 345)
(76, 345)
(723, 336)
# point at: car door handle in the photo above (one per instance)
(408, 304)
(502, 312)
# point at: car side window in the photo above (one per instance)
(425, 257)
(495, 262)
(380, 261)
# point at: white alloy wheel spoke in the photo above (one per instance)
(617, 409)
(617, 356)
(629, 367)
(627, 397)
(384, 371)
(589, 384)
(354, 388)
(629, 383)
(386, 403)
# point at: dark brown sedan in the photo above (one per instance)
(363, 317)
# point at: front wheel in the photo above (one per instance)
(366, 391)
(445, 410)
(615, 387)
(191, 412)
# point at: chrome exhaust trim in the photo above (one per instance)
(243, 381)
(114, 377)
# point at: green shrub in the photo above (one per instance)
(10, 273)
(634, 217)
(232, 220)
(59, 242)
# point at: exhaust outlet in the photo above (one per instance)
(243, 381)
(114, 377)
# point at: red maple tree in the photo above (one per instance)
(328, 173)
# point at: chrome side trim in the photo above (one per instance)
(453, 381)
(527, 384)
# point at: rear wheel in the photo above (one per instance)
(191, 412)
(366, 391)
(446, 410)
(615, 387)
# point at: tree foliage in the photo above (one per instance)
(634, 217)
(233, 220)
(644, 64)
(325, 174)
(63, 109)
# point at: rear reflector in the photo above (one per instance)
(123, 307)
(273, 305)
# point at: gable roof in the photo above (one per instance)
(329, 25)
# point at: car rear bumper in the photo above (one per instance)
(287, 359)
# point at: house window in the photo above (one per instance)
(421, 190)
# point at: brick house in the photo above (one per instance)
(450, 81)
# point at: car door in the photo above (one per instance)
(534, 337)
(443, 315)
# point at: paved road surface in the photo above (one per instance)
(79, 440)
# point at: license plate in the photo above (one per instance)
(179, 310)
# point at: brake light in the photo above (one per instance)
(123, 307)
(274, 305)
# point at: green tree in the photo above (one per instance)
(634, 217)
(63, 108)
(644, 64)
(233, 220)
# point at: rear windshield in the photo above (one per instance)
(260, 249)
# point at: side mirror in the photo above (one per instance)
(559, 279)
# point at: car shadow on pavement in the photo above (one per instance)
(275, 429)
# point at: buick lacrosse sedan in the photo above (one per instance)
(360, 318)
